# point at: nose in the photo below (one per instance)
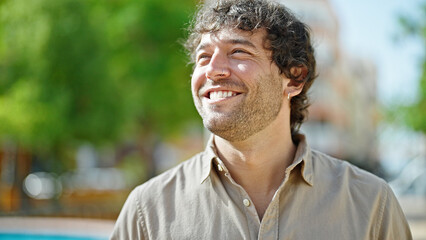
(218, 67)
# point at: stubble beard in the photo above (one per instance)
(249, 117)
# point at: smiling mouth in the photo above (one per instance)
(219, 95)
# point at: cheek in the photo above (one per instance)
(249, 74)
(243, 68)
(197, 80)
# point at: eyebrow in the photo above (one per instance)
(230, 41)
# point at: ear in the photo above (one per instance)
(295, 86)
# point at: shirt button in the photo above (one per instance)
(246, 202)
(220, 168)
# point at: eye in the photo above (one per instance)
(239, 51)
(203, 58)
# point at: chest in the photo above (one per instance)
(287, 218)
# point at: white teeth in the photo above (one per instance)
(221, 94)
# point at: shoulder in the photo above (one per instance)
(329, 166)
(334, 172)
(370, 196)
(343, 184)
(156, 200)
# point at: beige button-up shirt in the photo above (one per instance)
(320, 198)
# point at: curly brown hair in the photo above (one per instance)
(288, 39)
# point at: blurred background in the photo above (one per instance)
(95, 99)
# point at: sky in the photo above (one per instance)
(368, 29)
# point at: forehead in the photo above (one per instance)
(254, 39)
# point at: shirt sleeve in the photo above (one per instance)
(393, 224)
(129, 225)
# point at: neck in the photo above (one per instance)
(258, 163)
(264, 156)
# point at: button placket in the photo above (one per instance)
(246, 202)
(269, 226)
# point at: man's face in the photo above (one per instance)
(237, 89)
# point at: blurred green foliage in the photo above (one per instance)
(85, 70)
(415, 114)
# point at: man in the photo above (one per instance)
(257, 178)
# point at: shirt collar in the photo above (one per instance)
(303, 155)
(207, 158)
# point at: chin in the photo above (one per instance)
(231, 134)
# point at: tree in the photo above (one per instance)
(82, 70)
(415, 114)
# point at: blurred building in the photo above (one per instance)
(343, 115)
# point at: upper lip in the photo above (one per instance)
(206, 92)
